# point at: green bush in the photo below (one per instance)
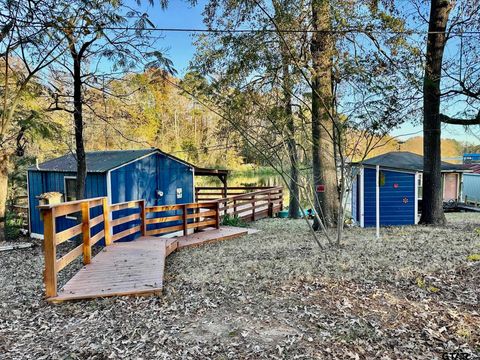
(13, 225)
(233, 221)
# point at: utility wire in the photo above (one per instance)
(267, 30)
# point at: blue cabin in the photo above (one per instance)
(400, 184)
(122, 175)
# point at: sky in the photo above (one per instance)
(178, 46)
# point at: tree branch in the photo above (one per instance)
(457, 121)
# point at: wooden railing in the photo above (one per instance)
(191, 216)
(214, 193)
(247, 203)
(133, 216)
(53, 238)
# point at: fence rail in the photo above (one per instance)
(248, 203)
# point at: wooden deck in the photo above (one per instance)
(135, 267)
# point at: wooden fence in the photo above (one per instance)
(139, 219)
(247, 203)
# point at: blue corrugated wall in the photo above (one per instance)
(141, 180)
(397, 204)
(40, 182)
(138, 180)
(471, 186)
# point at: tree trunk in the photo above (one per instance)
(4, 160)
(323, 159)
(78, 120)
(293, 203)
(432, 203)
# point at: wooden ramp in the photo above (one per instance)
(210, 235)
(135, 267)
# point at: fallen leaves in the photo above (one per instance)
(268, 295)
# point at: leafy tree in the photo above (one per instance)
(25, 52)
(103, 40)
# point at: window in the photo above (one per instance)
(70, 185)
(419, 185)
(381, 179)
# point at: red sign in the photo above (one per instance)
(395, 186)
(320, 188)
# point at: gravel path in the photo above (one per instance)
(410, 295)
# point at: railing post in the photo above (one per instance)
(234, 207)
(270, 206)
(253, 207)
(196, 194)
(217, 216)
(143, 218)
(106, 222)
(196, 219)
(281, 198)
(50, 252)
(184, 219)
(87, 247)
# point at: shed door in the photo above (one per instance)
(450, 187)
(397, 198)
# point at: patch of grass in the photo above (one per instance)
(473, 257)
(233, 221)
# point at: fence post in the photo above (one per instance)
(281, 198)
(143, 218)
(87, 247)
(270, 206)
(253, 207)
(196, 219)
(217, 216)
(106, 222)
(196, 193)
(50, 252)
(184, 219)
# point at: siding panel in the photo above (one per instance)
(397, 198)
(471, 186)
(43, 181)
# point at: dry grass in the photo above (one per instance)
(274, 294)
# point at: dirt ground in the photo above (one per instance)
(413, 294)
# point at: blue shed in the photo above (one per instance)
(399, 190)
(122, 175)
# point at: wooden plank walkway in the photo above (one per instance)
(135, 267)
(210, 235)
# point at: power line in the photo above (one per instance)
(266, 30)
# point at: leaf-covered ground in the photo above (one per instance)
(413, 294)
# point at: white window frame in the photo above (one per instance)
(420, 184)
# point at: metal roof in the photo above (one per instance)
(98, 161)
(404, 160)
